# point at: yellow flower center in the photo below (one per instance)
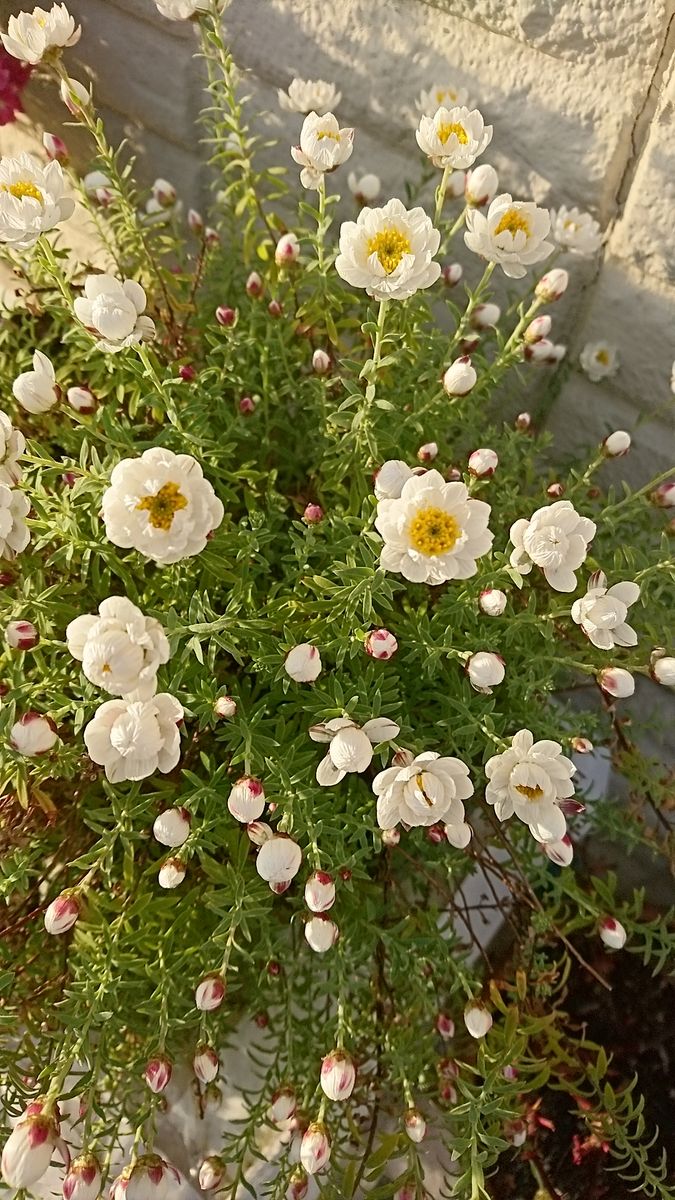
(602, 357)
(446, 131)
(530, 793)
(569, 224)
(445, 94)
(163, 506)
(328, 133)
(106, 669)
(514, 222)
(419, 780)
(22, 188)
(433, 531)
(389, 245)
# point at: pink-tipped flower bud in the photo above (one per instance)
(210, 992)
(21, 635)
(510, 1072)
(492, 602)
(33, 734)
(28, 1150)
(415, 1125)
(469, 343)
(338, 1075)
(320, 892)
(313, 514)
(581, 745)
(381, 644)
(483, 463)
(428, 452)
(82, 400)
(279, 859)
(616, 444)
(460, 377)
(205, 1063)
(254, 285)
(164, 193)
(150, 1176)
(226, 316)
(321, 362)
(172, 827)
(663, 496)
(539, 352)
(83, 1181)
(287, 250)
(211, 237)
(259, 832)
(435, 834)
(62, 913)
(195, 222)
(315, 1148)
(662, 669)
(246, 800)
(561, 852)
(275, 308)
(481, 185)
(55, 148)
(187, 373)
(445, 1026)
(455, 185)
(171, 873)
(555, 490)
(523, 421)
(298, 1186)
(75, 96)
(211, 1173)
(225, 707)
(390, 837)
(616, 681)
(247, 405)
(321, 933)
(283, 1105)
(157, 1073)
(485, 670)
(537, 329)
(303, 663)
(485, 316)
(407, 1192)
(612, 933)
(477, 1019)
(552, 285)
(451, 274)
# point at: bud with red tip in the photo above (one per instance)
(82, 400)
(62, 913)
(279, 859)
(616, 681)
(477, 1019)
(483, 462)
(33, 734)
(298, 1185)
(259, 832)
(460, 377)
(313, 514)
(211, 237)
(320, 892)
(157, 1073)
(555, 490)
(287, 250)
(28, 1150)
(581, 745)
(381, 644)
(544, 352)
(523, 421)
(226, 316)
(321, 362)
(315, 1148)
(225, 707)
(338, 1075)
(552, 285)
(485, 670)
(210, 993)
(435, 834)
(246, 801)
(283, 1105)
(492, 602)
(451, 274)
(254, 285)
(445, 1026)
(55, 148)
(303, 663)
(172, 827)
(481, 185)
(485, 316)
(83, 1181)
(469, 343)
(195, 222)
(415, 1125)
(537, 329)
(407, 1192)
(21, 635)
(164, 193)
(321, 933)
(147, 1177)
(211, 1173)
(612, 933)
(205, 1063)
(390, 837)
(662, 668)
(616, 444)
(171, 873)
(561, 852)
(275, 308)
(663, 496)
(246, 405)
(428, 452)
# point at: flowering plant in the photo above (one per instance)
(293, 596)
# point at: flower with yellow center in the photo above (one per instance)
(531, 780)
(453, 138)
(512, 233)
(23, 187)
(323, 147)
(434, 531)
(163, 506)
(32, 37)
(599, 360)
(425, 790)
(389, 251)
(120, 648)
(32, 200)
(448, 94)
(576, 231)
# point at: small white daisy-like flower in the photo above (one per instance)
(453, 137)
(32, 200)
(389, 251)
(427, 790)
(37, 390)
(31, 36)
(113, 312)
(323, 147)
(350, 746)
(575, 230)
(512, 233)
(309, 95)
(121, 649)
(434, 532)
(449, 95)
(14, 508)
(599, 360)
(556, 539)
(132, 739)
(12, 446)
(161, 505)
(530, 779)
(602, 612)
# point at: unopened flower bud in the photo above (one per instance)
(205, 1063)
(82, 399)
(225, 707)
(55, 148)
(275, 308)
(254, 285)
(303, 663)
(246, 800)
(364, 188)
(455, 184)
(481, 185)
(485, 316)
(321, 933)
(516, 1132)
(451, 274)
(21, 635)
(287, 250)
(226, 316)
(561, 852)
(320, 892)
(211, 1173)
(616, 681)
(552, 285)
(75, 96)
(485, 670)
(246, 405)
(157, 1073)
(259, 832)
(210, 993)
(33, 734)
(313, 514)
(62, 913)
(83, 1181)
(321, 362)
(469, 343)
(315, 1148)
(298, 1186)
(338, 1075)
(540, 351)
(171, 873)
(510, 1072)
(523, 421)
(279, 859)
(483, 463)
(390, 837)
(407, 1192)
(283, 1105)
(581, 745)
(492, 602)
(477, 1019)
(555, 490)
(616, 444)
(164, 193)
(211, 237)
(663, 496)
(537, 329)
(381, 644)
(662, 669)
(435, 834)
(428, 452)
(459, 378)
(415, 1125)
(172, 827)
(612, 933)
(445, 1026)
(195, 221)
(28, 1150)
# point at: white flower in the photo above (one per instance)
(246, 800)
(389, 251)
(617, 682)
(309, 95)
(321, 933)
(477, 1019)
(460, 377)
(61, 914)
(180, 10)
(33, 734)
(171, 873)
(12, 446)
(616, 444)
(453, 137)
(602, 612)
(303, 663)
(172, 827)
(14, 536)
(338, 1075)
(434, 532)
(530, 779)
(599, 360)
(323, 147)
(575, 230)
(381, 644)
(390, 479)
(320, 892)
(556, 539)
(161, 505)
(31, 36)
(315, 1148)
(449, 94)
(350, 747)
(485, 670)
(31, 200)
(279, 859)
(113, 311)
(28, 1151)
(121, 649)
(481, 185)
(427, 790)
(134, 738)
(37, 390)
(492, 602)
(364, 188)
(511, 233)
(612, 933)
(663, 669)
